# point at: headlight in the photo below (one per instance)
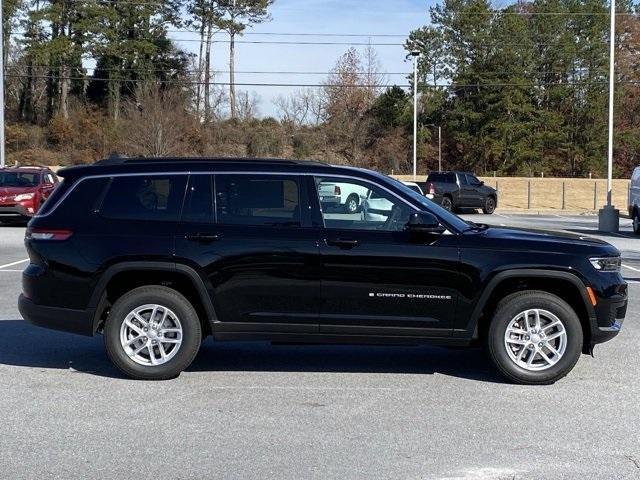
(24, 196)
(606, 264)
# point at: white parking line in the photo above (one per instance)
(13, 263)
(631, 268)
(8, 270)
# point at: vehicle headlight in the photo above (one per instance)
(24, 196)
(606, 264)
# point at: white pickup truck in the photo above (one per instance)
(346, 197)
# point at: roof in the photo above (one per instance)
(119, 165)
(25, 168)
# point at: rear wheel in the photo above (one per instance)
(152, 333)
(447, 204)
(636, 222)
(535, 338)
(352, 204)
(489, 205)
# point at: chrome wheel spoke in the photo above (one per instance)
(535, 339)
(149, 340)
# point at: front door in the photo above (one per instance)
(250, 235)
(376, 279)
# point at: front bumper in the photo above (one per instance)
(64, 319)
(610, 313)
(15, 211)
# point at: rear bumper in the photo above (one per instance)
(64, 319)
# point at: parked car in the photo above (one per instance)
(23, 190)
(455, 190)
(415, 187)
(156, 254)
(634, 200)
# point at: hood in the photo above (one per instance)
(513, 238)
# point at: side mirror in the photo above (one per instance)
(424, 223)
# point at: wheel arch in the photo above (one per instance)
(565, 285)
(122, 277)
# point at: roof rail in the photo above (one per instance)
(120, 160)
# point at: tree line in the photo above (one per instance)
(517, 90)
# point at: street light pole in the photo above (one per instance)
(415, 55)
(2, 159)
(439, 148)
(609, 217)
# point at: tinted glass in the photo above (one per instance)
(82, 199)
(377, 208)
(198, 206)
(436, 177)
(473, 180)
(19, 179)
(155, 198)
(464, 180)
(257, 200)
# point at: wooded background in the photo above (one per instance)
(518, 89)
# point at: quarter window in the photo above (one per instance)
(156, 198)
(262, 200)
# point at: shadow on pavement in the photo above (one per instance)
(24, 345)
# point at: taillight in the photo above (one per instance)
(431, 188)
(337, 190)
(47, 234)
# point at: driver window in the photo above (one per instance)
(355, 205)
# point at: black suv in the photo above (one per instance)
(156, 254)
(456, 190)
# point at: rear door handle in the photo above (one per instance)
(342, 243)
(202, 237)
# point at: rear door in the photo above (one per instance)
(251, 237)
(376, 280)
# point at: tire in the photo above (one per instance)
(541, 371)
(178, 314)
(636, 221)
(447, 204)
(352, 204)
(489, 206)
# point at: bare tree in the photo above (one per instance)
(236, 16)
(155, 122)
(247, 105)
(296, 108)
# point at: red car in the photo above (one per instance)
(23, 190)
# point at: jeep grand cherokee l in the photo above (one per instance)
(155, 254)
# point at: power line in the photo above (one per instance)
(319, 85)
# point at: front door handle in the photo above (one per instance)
(202, 237)
(342, 243)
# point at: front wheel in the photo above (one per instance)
(489, 205)
(535, 338)
(152, 333)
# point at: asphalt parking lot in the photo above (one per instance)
(260, 411)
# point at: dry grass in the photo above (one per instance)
(547, 193)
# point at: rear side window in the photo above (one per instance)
(257, 200)
(198, 206)
(442, 177)
(151, 198)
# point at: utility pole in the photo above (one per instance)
(2, 159)
(439, 148)
(415, 55)
(609, 217)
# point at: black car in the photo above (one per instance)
(458, 190)
(156, 254)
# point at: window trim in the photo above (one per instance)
(236, 172)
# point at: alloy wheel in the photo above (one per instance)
(151, 335)
(535, 339)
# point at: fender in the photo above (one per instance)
(531, 273)
(98, 293)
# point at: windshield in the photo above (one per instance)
(445, 215)
(19, 179)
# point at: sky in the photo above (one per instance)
(362, 17)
